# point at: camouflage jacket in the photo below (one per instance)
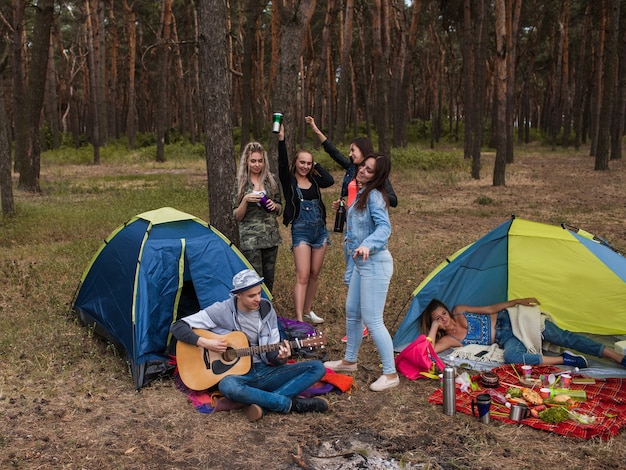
(258, 229)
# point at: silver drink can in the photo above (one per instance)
(276, 122)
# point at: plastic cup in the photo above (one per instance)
(527, 372)
(566, 380)
(544, 392)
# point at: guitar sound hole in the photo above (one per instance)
(229, 355)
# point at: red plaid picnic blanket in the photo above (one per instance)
(606, 401)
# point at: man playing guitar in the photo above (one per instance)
(270, 384)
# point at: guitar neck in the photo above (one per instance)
(252, 350)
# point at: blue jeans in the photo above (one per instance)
(515, 351)
(272, 387)
(365, 303)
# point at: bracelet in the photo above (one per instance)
(430, 340)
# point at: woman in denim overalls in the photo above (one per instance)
(304, 209)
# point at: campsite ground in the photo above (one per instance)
(67, 400)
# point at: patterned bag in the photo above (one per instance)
(419, 360)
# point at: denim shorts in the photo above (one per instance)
(310, 233)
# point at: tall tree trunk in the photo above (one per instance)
(99, 35)
(617, 123)
(469, 63)
(253, 9)
(162, 117)
(608, 85)
(22, 144)
(6, 180)
(345, 76)
(44, 17)
(596, 103)
(131, 112)
(113, 97)
(52, 99)
(93, 84)
(513, 12)
(218, 127)
(580, 75)
(401, 110)
(380, 54)
(501, 85)
(565, 89)
(294, 19)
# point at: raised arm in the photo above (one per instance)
(311, 122)
(494, 308)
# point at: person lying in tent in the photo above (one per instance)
(504, 325)
(271, 384)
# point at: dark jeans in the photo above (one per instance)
(515, 352)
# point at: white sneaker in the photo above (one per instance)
(383, 383)
(339, 366)
(312, 318)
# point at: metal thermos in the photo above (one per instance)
(449, 391)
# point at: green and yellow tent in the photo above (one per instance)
(579, 279)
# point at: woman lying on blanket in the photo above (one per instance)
(495, 324)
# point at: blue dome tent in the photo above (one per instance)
(156, 267)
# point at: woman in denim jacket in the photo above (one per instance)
(366, 238)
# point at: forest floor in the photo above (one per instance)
(88, 415)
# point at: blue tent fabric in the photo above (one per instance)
(130, 291)
(573, 275)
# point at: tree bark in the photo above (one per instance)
(513, 12)
(6, 180)
(617, 123)
(598, 83)
(294, 17)
(93, 87)
(580, 74)
(44, 17)
(253, 10)
(345, 77)
(162, 116)
(131, 112)
(114, 116)
(22, 144)
(501, 84)
(611, 9)
(218, 127)
(380, 54)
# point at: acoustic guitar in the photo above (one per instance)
(200, 368)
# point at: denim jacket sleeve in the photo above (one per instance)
(377, 240)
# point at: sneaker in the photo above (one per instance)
(312, 318)
(383, 383)
(365, 333)
(576, 360)
(308, 405)
(253, 412)
(339, 366)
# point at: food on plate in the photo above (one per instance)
(532, 397)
